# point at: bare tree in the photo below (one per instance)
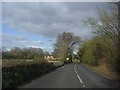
(64, 44)
(107, 24)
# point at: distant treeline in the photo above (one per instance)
(23, 53)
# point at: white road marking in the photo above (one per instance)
(109, 78)
(79, 79)
(83, 85)
(75, 70)
(74, 67)
(78, 76)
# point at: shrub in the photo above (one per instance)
(99, 50)
(16, 75)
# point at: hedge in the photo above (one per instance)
(13, 76)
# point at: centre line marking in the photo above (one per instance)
(79, 79)
(83, 85)
(78, 76)
(74, 67)
(75, 70)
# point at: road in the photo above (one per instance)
(72, 76)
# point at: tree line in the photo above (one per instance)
(24, 53)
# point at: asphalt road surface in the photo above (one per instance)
(72, 76)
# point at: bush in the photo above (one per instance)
(90, 54)
(100, 50)
(16, 75)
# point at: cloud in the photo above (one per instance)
(10, 41)
(48, 49)
(38, 42)
(48, 19)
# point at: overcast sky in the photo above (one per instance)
(37, 24)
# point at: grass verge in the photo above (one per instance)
(102, 69)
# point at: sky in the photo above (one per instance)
(37, 24)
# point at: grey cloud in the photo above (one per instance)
(11, 41)
(38, 42)
(11, 37)
(48, 19)
(49, 49)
